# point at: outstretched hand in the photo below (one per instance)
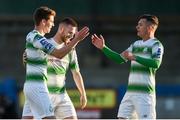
(98, 41)
(83, 33)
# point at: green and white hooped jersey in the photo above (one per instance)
(57, 69)
(142, 78)
(37, 48)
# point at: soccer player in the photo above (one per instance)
(37, 48)
(145, 56)
(57, 69)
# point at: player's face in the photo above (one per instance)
(48, 24)
(142, 28)
(68, 33)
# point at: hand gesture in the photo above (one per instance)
(98, 41)
(83, 33)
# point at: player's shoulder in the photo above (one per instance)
(156, 42)
(136, 42)
(38, 36)
(33, 35)
(73, 51)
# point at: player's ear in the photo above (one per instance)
(44, 22)
(150, 28)
(76, 29)
(61, 28)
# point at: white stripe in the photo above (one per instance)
(36, 70)
(31, 53)
(139, 78)
(56, 80)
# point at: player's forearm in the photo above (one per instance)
(113, 55)
(148, 62)
(80, 86)
(60, 53)
(79, 83)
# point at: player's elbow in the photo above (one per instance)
(60, 56)
(56, 54)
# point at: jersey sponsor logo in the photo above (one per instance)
(46, 44)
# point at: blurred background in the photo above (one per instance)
(105, 81)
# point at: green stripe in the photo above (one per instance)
(155, 56)
(38, 37)
(73, 66)
(142, 69)
(36, 77)
(30, 46)
(141, 88)
(56, 70)
(146, 50)
(34, 31)
(57, 90)
(37, 62)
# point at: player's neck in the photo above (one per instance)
(40, 30)
(58, 39)
(147, 37)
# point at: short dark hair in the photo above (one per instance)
(69, 21)
(150, 18)
(42, 12)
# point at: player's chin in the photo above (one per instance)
(138, 34)
(48, 31)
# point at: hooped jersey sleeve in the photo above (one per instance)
(157, 51)
(43, 44)
(74, 61)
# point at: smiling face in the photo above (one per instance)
(44, 19)
(67, 32)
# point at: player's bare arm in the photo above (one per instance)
(98, 41)
(81, 35)
(80, 85)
